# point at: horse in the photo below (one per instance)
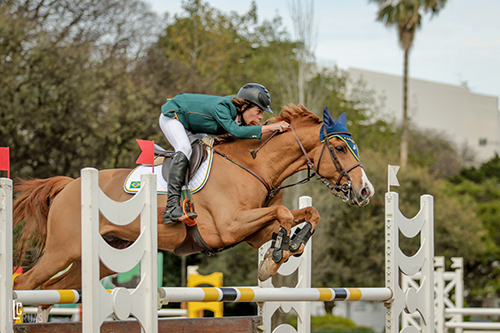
(240, 202)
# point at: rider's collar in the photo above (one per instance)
(237, 120)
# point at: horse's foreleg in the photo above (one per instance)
(251, 221)
(283, 246)
(307, 214)
(301, 236)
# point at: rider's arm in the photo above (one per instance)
(271, 128)
(223, 117)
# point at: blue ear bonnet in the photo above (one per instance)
(338, 129)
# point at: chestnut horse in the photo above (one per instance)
(241, 201)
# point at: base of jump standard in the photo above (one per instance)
(192, 325)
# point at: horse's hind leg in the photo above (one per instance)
(67, 280)
(48, 266)
(72, 278)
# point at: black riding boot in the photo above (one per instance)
(176, 178)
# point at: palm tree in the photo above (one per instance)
(405, 15)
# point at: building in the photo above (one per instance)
(466, 118)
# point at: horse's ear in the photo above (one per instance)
(343, 119)
(327, 118)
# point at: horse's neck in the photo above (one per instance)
(289, 157)
(278, 159)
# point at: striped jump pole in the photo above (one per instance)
(47, 297)
(222, 294)
(257, 294)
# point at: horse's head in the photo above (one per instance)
(336, 159)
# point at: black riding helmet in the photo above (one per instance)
(257, 94)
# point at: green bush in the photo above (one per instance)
(330, 322)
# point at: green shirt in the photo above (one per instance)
(208, 114)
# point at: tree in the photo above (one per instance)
(406, 16)
(63, 66)
(479, 188)
(305, 34)
(225, 51)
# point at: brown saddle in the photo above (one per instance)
(197, 157)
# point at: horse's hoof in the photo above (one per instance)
(265, 271)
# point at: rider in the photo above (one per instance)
(188, 114)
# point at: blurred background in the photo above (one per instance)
(418, 80)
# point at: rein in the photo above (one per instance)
(272, 192)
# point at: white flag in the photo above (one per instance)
(392, 179)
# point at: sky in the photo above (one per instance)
(460, 45)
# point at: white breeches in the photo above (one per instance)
(177, 135)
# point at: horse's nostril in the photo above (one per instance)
(365, 192)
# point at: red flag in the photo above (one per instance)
(4, 160)
(148, 152)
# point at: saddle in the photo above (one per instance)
(164, 157)
(193, 242)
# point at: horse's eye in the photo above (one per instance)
(340, 149)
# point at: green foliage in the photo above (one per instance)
(429, 148)
(225, 51)
(65, 89)
(330, 322)
(488, 170)
(479, 188)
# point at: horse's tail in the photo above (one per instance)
(31, 209)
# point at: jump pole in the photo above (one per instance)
(221, 294)
(257, 294)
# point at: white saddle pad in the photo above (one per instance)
(133, 181)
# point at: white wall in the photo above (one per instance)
(463, 116)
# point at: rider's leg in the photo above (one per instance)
(176, 177)
(176, 134)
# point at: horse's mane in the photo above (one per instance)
(297, 116)
(293, 114)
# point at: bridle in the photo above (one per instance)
(335, 189)
(341, 191)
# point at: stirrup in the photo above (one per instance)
(189, 215)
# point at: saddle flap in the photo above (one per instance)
(199, 154)
(197, 157)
